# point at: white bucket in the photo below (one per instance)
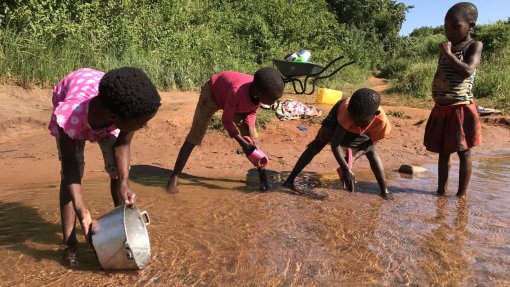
(120, 238)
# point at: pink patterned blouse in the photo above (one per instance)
(71, 98)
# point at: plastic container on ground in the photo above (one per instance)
(328, 96)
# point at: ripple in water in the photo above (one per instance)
(218, 232)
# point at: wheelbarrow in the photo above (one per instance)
(293, 71)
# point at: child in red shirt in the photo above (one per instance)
(239, 96)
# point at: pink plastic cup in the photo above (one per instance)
(258, 158)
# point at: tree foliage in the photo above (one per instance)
(382, 18)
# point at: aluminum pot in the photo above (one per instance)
(120, 238)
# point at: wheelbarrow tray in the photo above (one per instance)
(297, 69)
(293, 71)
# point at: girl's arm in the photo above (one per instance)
(472, 58)
(247, 147)
(71, 179)
(252, 130)
(338, 135)
(122, 151)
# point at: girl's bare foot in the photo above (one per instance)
(171, 185)
(265, 187)
(386, 195)
(70, 256)
(461, 194)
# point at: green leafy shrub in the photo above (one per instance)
(416, 80)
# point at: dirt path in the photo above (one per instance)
(28, 153)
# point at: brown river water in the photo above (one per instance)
(221, 232)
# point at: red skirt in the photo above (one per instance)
(452, 128)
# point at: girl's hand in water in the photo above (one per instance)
(349, 180)
(85, 222)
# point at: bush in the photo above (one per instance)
(264, 118)
(495, 37)
(416, 80)
(395, 68)
(180, 43)
(493, 80)
(412, 69)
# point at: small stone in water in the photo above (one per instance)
(411, 169)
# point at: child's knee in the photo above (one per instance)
(465, 154)
(113, 174)
(81, 167)
(370, 152)
(110, 167)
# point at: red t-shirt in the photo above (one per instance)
(231, 92)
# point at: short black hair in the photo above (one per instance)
(465, 10)
(364, 102)
(129, 93)
(268, 81)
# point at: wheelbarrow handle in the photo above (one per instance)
(335, 71)
(318, 77)
(327, 66)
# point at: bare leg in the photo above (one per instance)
(306, 157)
(182, 158)
(114, 189)
(68, 219)
(68, 216)
(378, 170)
(465, 170)
(443, 169)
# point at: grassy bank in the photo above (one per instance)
(181, 43)
(178, 43)
(411, 72)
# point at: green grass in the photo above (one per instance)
(264, 119)
(179, 43)
(416, 80)
(398, 114)
(491, 87)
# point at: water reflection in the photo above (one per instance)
(443, 247)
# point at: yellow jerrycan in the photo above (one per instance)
(328, 96)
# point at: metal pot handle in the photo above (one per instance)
(146, 216)
(129, 252)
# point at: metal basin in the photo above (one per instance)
(120, 238)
